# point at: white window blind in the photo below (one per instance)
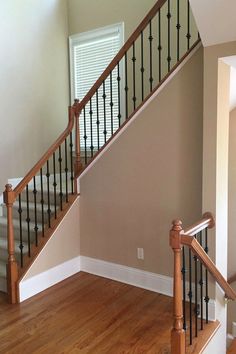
(91, 53)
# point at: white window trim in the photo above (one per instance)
(85, 36)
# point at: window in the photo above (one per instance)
(90, 54)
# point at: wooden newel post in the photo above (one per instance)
(178, 340)
(78, 164)
(12, 268)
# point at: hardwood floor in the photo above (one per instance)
(87, 314)
(232, 348)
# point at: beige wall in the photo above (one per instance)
(34, 81)
(85, 16)
(149, 176)
(63, 246)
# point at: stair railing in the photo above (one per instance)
(155, 49)
(190, 247)
(45, 191)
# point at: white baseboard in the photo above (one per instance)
(38, 283)
(150, 281)
(136, 277)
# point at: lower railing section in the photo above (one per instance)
(39, 199)
(192, 266)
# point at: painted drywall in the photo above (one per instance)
(85, 16)
(34, 81)
(215, 166)
(63, 246)
(215, 20)
(148, 177)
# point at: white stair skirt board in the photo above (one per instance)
(43, 281)
(140, 111)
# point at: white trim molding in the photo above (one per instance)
(43, 281)
(158, 283)
(136, 277)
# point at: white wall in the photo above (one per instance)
(34, 81)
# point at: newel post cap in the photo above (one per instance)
(9, 194)
(175, 234)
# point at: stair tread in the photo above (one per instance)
(3, 246)
(2, 269)
(3, 222)
(232, 348)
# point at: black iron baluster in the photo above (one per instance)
(28, 220)
(91, 126)
(142, 67)
(119, 104)
(169, 36)
(104, 111)
(159, 45)
(42, 200)
(60, 178)
(66, 169)
(184, 287)
(150, 54)
(54, 185)
(98, 121)
(196, 295)
(126, 87)
(35, 213)
(190, 295)
(201, 285)
(21, 245)
(71, 164)
(188, 25)
(48, 194)
(206, 276)
(111, 103)
(134, 77)
(85, 137)
(178, 26)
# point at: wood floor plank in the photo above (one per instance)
(87, 314)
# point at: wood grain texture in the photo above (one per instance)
(89, 314)
(197, 249)
(207, 221)
(232, 348)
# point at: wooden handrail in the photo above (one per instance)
(207, 221)
(20, 187)
(120, 55)
(197, 249)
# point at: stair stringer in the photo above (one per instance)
(58, 259)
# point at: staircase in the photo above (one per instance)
(34, 208)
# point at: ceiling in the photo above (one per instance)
(215, 20)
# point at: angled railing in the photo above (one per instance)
(34, 207)
(156, 48)
(191, 292)
(45, 191)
